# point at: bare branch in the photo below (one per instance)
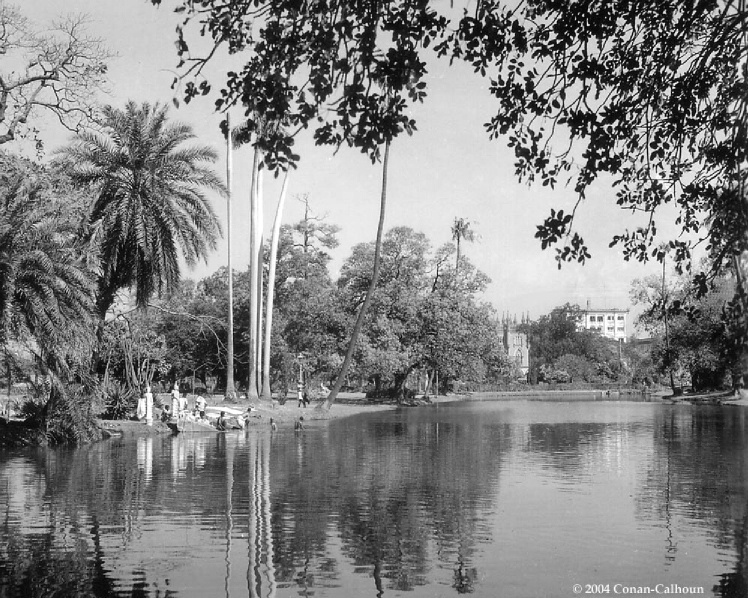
(57, 71)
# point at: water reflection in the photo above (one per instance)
(145, 458)
(261, 573)
(518, 498)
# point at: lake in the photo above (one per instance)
(495, 498)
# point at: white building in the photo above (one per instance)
(611, 323)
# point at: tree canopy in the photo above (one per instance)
(650, 92)
(151, 205)
(348, 71)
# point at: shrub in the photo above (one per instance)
(69, 418)
(119, 400)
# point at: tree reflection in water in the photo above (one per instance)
(401, 495)
(261, 572)
(391, 503)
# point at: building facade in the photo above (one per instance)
(516, 344)
(611, 323)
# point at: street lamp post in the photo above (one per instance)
(300, 383)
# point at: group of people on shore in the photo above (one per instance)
(179, 408)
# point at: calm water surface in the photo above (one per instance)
(496, 498)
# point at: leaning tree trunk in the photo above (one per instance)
(327, 403)
(266, 391)
(230, 394)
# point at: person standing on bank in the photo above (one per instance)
(148, 406)
(140, 411)
(175, 402)
(200, 406)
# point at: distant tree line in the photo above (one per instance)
(426, 322)
(684, 339)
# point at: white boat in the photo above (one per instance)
(234, 420)
(183, 425)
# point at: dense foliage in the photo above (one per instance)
(694, 336)
(421, 320)
(650, 94)
(561, 352)
(46, 293)
(116, 212)
(418, 322)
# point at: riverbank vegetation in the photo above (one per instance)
(93, 305)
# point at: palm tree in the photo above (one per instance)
(151, 205)
(46, 291)
(461, 230)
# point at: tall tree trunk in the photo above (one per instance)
(266, 391)
(230, 394)
(327, 403)
(253, 266)
(9, 375)
(429, 383)
(667, 330)
(457, 260)
(741, 380)
(401, 383)
(104, 301)
(259, 282)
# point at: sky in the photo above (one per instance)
(447, 169)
